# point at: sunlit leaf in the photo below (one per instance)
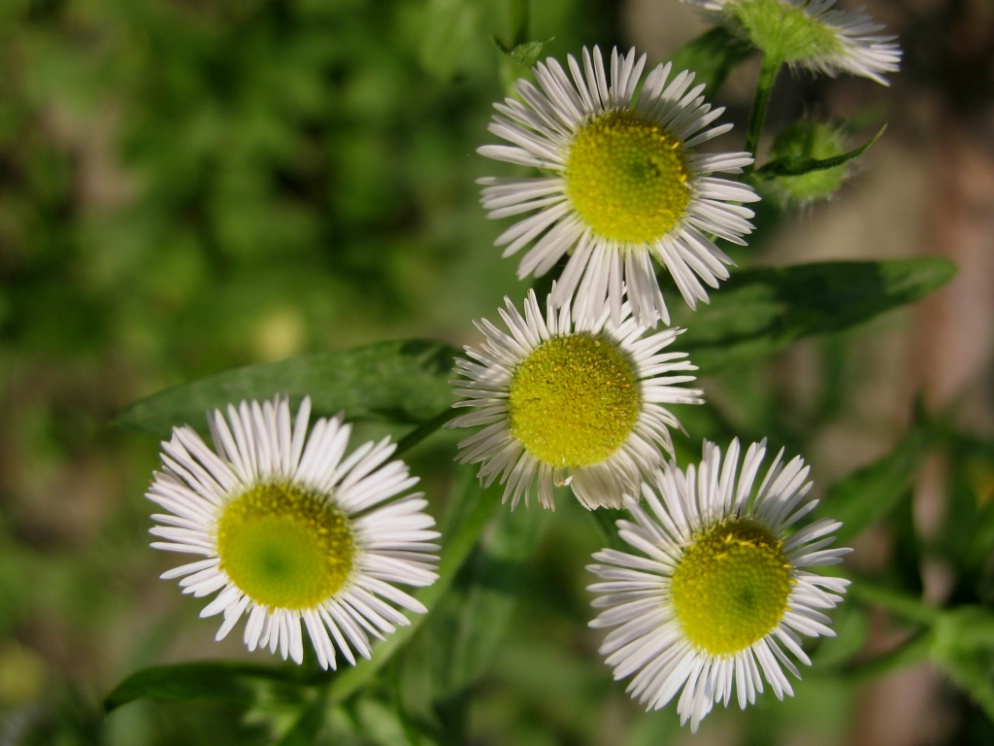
(223, 681)
(758, 312)
(797, 165)
(403, 382)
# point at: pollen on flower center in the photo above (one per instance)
(730, 588)
(627, 178)
(285, 547)
(574, 400)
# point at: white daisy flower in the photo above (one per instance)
(292, 532)
(570, 403)
(622, 184)
(719, 592)
(813, 34)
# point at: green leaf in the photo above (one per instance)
(798, 165)
(758, 312)
(967, 531)
(867, 495)
(404, 382)
(525, 54)
(974, 674)
(712, 56)
(224, 681)
(964, 648)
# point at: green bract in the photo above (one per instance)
(815, 141)
(784, 32)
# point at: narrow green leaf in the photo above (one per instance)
(402, 381)
(758, 312)
(712, 56)
(224, 681)
(867, 495)
(798, 165)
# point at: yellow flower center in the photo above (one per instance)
(627, 178)
(285, 547)
(574, 400)
(730, 588)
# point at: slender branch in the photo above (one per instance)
(519, 12)
(901, 605)
(423, 430)
(910, 652)
(460, 540)
(764, 90)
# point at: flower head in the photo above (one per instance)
(813, 34)
(719, 591)
(622, 184)
(291, 531)
(566, 403)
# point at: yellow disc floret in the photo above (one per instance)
(285, 547)
(730, 588)
(574, 400)
(627, 178)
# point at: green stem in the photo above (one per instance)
(519, 11)
(908, 653)
(423, 430)
(760, 105)
(902, 605)
(606, 521)
(461, 540)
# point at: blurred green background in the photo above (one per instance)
(192, 185)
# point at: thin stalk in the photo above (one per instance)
(519, 11)
(459, 542)
(764, 90)
(606, 521)
(909, 653)
(423, 430)
(901, 605)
